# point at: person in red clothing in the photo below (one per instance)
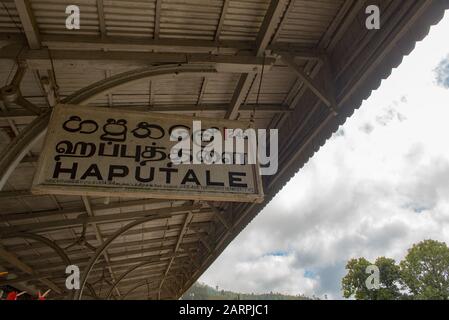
(43, 296)
(13, 295)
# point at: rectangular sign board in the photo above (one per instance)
(126, 153)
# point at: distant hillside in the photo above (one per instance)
(200, 291)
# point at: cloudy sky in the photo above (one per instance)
(380, 184)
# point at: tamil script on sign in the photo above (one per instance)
(100, 151)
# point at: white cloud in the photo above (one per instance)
(373, 191)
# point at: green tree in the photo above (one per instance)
(354, 283)
(423, 274)
(425, 270)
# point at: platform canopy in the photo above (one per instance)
(300, 66)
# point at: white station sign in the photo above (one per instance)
(112, 152)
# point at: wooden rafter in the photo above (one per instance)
(310, 83)
(187, 220)
(224, 10)
(100, 60)
(101, 18)
(16, 262)
(28, 23)
(269, 25)
(24, 115)
(199, 101)
(157, 19)
(162, 213)
(99, 237)
(243, 86)
(262, 41)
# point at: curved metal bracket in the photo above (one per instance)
(127, 78)
(102, 248)
(51, 244)
(17, 148)
(43, 240)
(125, 274)
(137, 286)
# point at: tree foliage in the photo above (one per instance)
(425, 270)
(422, 274)
(354, 283)
(200, 291)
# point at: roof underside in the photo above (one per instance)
(313, 57)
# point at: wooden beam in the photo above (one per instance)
(71, 211)
(120, 43)
(162, 213)
(224, 9)
(25, 115)
(329, 84)
(76, 59)
(240, 92)
(14, 194)
(31, 277)
(157, 19)
(308, 81)
(296, 52)
(269, 25)
(219, 215)
(206, 245)
(101, 19)
(287, 11)
(16, 262)
(21, 115)
(28, 23)
(262, 41)
(202, 90)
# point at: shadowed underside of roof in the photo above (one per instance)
(196, 57)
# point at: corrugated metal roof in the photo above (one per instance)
(360, 59)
